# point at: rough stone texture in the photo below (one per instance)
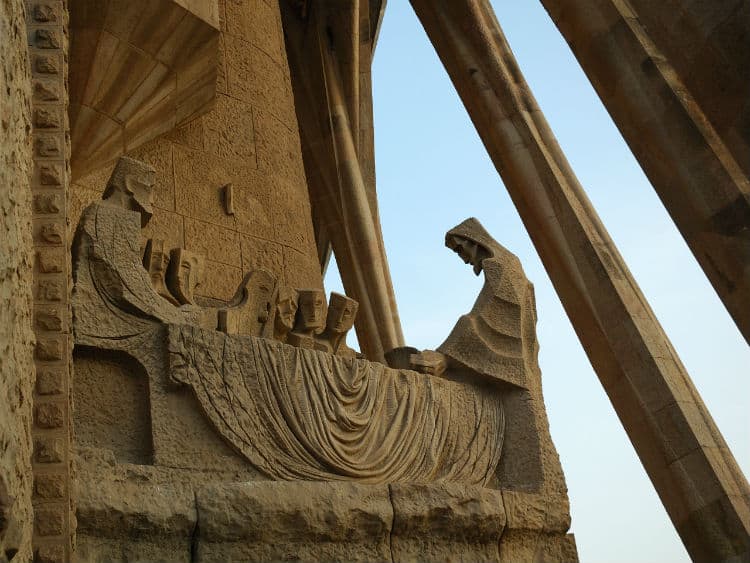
(16, 336)
(449, 522)
(146, 513)
(680, 446)
(132, 513)
(296, 521)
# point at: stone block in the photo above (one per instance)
(228, 130)
(50, 554)
(51, 290)
(292, 218)
(50, 349)
(300, 521)
(301, 270)
(49, 450)
(49, 521)
(278, 148)
(50, 261)
(49, 381)
(254, 77)
(50, 485)
(219, 281)
(50, 174)
(49, 415)
(166, 226)
(219, 244)
(255, 213)
(257, 22)
(158, 154)
(447, 522)
(261, 254)
(47, 203)
(199, 179)
(127, 519)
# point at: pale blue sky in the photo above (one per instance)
(433, 172)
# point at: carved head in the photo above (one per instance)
(286, 310)
(184, 275)
(471, 242)
(342, 311)
(311, 310)
(155, 259)
(131, 186)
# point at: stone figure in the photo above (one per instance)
(290, 412)
(342, 311)
(286, 312)
(310, 319)
(156, 262)
(489, 340)
(184, 275)
(130, 187)
(251, 310)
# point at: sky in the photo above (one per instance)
(433, 172)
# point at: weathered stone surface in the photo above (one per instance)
(294, 522)
(446, 522)
(16, 337)
(130, 513)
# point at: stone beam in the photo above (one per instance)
(339, 160)
(683, 452)
(138, 69)
(675, 80)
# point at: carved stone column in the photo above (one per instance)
(47, 35)
(674, 77)
(683, 452)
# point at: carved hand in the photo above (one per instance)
(429, 362)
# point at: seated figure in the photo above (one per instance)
(489, 340)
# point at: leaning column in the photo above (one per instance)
(683, 452)
(680, 100)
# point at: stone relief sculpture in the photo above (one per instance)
(489, 340)
(271, 371)
(304, 409)
(264, 387)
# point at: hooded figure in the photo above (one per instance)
(490, 339)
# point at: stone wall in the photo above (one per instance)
(251, 141)
(16, 337)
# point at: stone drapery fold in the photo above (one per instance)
(303, 414)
